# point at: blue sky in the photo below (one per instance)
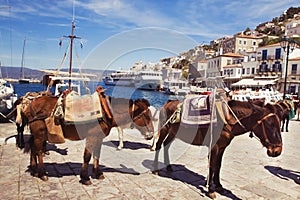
(116, 33)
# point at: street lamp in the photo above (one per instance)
(288, 45)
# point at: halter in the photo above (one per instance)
(265, 136)
(139, 115)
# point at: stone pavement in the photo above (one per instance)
(247, 171)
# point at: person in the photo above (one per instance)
(298, 109)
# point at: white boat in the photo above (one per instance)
(148, 80)
(64, 85)
(176, 87)
(7, 98)
(120, 78)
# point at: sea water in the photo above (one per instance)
(156, 98)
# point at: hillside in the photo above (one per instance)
(15, 72)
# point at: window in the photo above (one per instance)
(240, 41)
(278, 53)
(294, 68)
(264, 54)
(254, 43)
(228, 62)
(253, 71)
(245, 42)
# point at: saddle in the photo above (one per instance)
(81, 109)
(197, 110)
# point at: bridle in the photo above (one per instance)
(140, 115)
(266, 141)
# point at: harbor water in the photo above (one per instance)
(156, 98)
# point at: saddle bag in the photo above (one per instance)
(54, 131)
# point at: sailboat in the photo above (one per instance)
(22, 79)
(70, 85)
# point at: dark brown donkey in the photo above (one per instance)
(247, 117)
(93, 132)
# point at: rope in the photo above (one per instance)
(211, 133)
(6, 118)
(238, 121)
(80, 71)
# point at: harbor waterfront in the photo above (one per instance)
(247, 173)
(155, 98)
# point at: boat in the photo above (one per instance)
(68, 80)
(148, 80)
(22, 79)
(176, 87)
(120, 78)
(269, 95)
(7, 97)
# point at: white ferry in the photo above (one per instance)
(120, 78)
(148, 80)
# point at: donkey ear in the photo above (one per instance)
(146, 102)
(130, 102)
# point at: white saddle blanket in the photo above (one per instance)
(196, 110)
(82, 108)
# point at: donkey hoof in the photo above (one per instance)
(35, 174)
(119, 148)
(219, 189)
(169, 168)
(212, 195)
(86, 182)
(100, 177)
(44, 178)
(155, 172)
(152, 149)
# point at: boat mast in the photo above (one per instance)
(71, 37)
(23, 61)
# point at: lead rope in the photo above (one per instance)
(213, 109)
(238, 121)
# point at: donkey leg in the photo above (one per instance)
(96, 157)
(120, 134)
(33, 159)
(167, 144)
(155, 137)
(20, 136)
(216, 177)
(22, 143)
(287, 125)
(282, 125)
(162, 135)
(212, 169)
(84, 169)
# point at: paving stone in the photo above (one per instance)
(247, 172)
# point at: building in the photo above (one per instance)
(293, 78)
(292, 28)
(241, 44)
(215, 65)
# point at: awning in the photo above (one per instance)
(253, 82)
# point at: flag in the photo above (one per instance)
(81, 44)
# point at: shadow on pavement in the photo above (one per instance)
(127, 145)
(284, 173)
(183, 174)
(59, 170)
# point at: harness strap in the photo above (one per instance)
(35, 117)
(238, 121)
